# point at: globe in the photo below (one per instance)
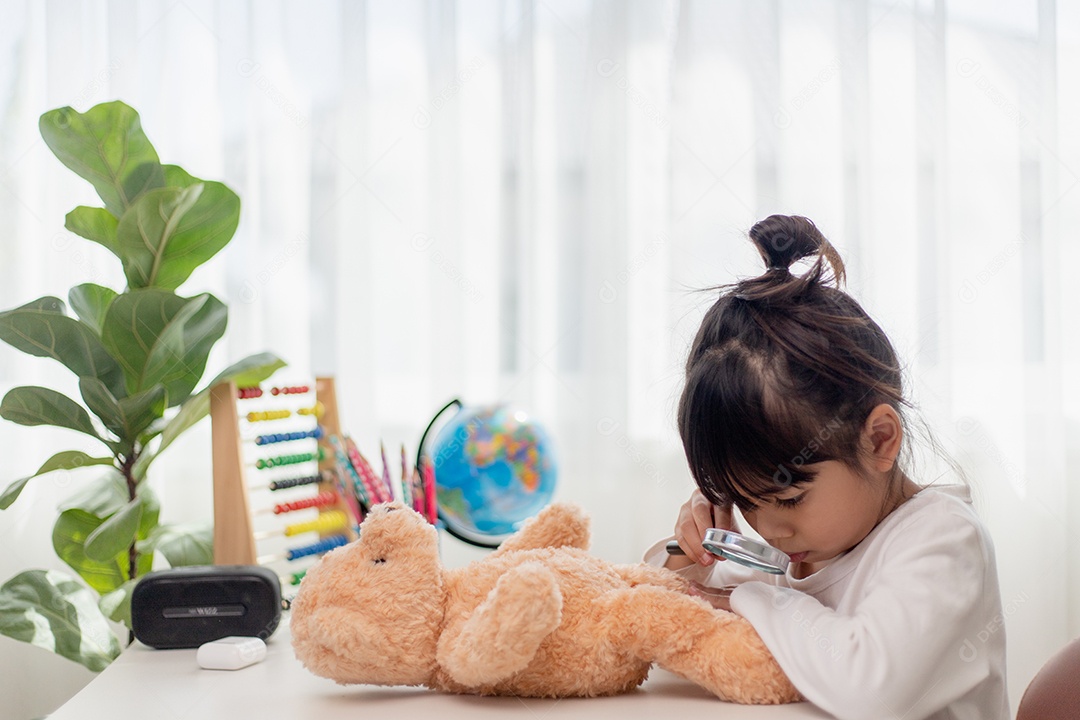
(494, 469)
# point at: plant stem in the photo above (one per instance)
(125, 468)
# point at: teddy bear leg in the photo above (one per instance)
(505, 630)
(557, 525)
(715, 649)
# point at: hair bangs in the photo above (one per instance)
(743, 441)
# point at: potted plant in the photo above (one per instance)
(139, 354)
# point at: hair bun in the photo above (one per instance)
(783, 240)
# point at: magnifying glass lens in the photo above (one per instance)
(745, 551)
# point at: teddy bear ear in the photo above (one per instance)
(393, 530)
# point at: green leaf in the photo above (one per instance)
(103, 404)
(117, 605)
(186, 544)
(128, 417)
(145, 328)
(163, 338)
(32, 405)
(40, 328)
(148, 523)
(100, 497)
(90, 302)
(205, 328)
(66, 460)
(53, 611)
(152, 431)
(176, 176)
(171, 231)
(115, 535)
(96, 224)
(252, 370)
(138, 411)
(69, 538)
(105, 145)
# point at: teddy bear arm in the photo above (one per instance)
(715, 649)
(558, 525)
(503, 633)
(642, 574)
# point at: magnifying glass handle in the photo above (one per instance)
(674, 549)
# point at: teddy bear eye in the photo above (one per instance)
(379, 561)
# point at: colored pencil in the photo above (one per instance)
(378, 491)
(347, 470)
(406, 496)
(350, 499)
(408, 478)
(431, 501)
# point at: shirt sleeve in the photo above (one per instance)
(901, 653)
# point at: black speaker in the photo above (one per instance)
(189, 606)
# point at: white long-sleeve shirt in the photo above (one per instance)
(907, 624)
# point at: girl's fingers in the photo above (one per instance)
(723, 517)
(686, 529)
(697, 516)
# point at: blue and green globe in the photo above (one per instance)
(494, 468)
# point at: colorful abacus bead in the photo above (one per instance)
(327, 522)
(324, 545)
(246, 393)
(268, 415)
(323, 499)
(280, 460)
(272, 438)
(317, 410)
(286, 483)
(290, 390)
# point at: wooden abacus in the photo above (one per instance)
(236, 538)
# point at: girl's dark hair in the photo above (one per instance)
(783, 372)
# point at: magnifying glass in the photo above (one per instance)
(738, 548)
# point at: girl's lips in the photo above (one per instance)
(798, 557)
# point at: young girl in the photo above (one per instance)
(793, 411)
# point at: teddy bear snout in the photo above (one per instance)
(360, 651)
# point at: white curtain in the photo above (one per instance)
(517, 201)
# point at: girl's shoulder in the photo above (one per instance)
(937, 514)
(944, 501)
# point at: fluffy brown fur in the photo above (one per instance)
(539, 617)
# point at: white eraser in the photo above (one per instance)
(231, 653)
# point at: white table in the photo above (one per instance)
(168, 685)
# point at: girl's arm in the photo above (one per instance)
(924, 634)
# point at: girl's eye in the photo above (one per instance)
(790, 502)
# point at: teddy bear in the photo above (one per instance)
(538, 617)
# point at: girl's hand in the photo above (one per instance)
(695, 517)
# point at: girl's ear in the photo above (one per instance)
(882, 436)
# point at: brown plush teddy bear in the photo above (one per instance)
(539, 617)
